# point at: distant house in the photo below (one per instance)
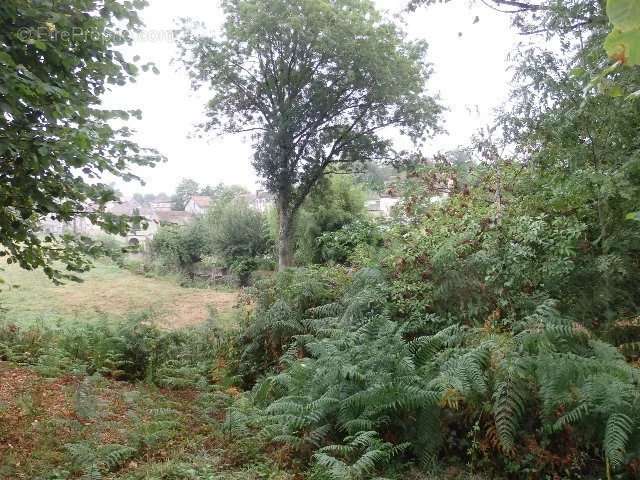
(261, 200)
(173, 217)
(154, 220)
(127, 207)
(198, 205)
(83, 226)
(78, 226)
(162, 206)
(155, 215)
(381, 206)
(138, 235)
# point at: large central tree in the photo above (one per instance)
(320, 84)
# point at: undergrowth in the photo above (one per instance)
(121, 401)
(339, 386)
(132, 350)
(359, 393)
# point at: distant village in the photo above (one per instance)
(159, 213)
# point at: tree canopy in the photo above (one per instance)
(317, 84)
(184, 191)
(56, 139)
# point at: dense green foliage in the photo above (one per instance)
(333, 204)
(134, 350)
(237, 231)
(493, 398)
(544, 242)
(501, 329)
(281, 304)
(356, 243)
(56, 140)
(457, 349)
(231, 235)
(180, 247)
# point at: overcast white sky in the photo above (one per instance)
(470, 76)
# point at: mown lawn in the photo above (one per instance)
(106, 293)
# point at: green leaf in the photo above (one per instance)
(624, 14)
(578, 72)
(131, 69)
(39, 44)
(6, 59)
(624, 47)
(616, 91)
(634, 216)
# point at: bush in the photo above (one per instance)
(332, 205)
(181, 247)
(470, 263)
(500, 335)
(282, 303)
(237, 231)
(351, 241)
(357, 391)
(232, 236)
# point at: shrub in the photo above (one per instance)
(357, 389)
(281, 305)
(181, 247)
(343, 245)
(237, 231)
(332, 205)
(231, 236)
(458, 349)
(470, 261)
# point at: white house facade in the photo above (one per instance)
(198, 205)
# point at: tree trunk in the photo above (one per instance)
(285, 239)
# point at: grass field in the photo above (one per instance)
(107, 293)
(73, 425)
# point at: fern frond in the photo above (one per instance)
(508, 407)
(618, 430)
(113, 456)
(572, 417)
